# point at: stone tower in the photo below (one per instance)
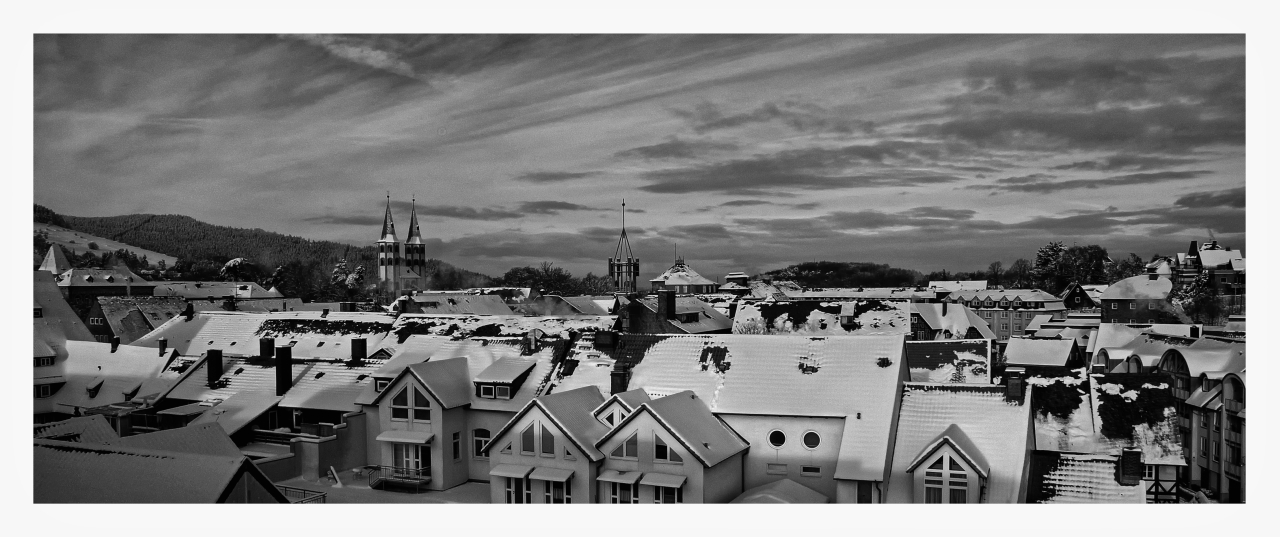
(389, 259)
(415, 252)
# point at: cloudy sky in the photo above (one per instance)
(748, 152)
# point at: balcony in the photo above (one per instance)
(396, 478)
(297, 495)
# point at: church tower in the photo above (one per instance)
(624, 268)
(389, 260)
(415, 252)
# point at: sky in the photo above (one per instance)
(744, 153)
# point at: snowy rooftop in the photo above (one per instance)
(311, 333)
(961, 361)
(1079, 478)
(681, 274)
(1139, 287)
(1106, 413)
(1039, 352)
(813, 318)
(462, 326)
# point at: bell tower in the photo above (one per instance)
(624, 267)
(415, 252)
(389, 260)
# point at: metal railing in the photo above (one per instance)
(276, 437)
(396, 477)
(297, 495)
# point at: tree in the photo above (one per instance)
(1126, 268)
(1085, 264)
(349, 282)
(1199, 300)
(1019, 274)
(1047, 271)
(162, 266)
(234, 269)
(93, 245)
(995, 273)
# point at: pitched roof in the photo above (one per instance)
(681, 274)
(781, 491)
(954, 436)
(447, 380)
(67, 472)
(455, 304)
(817, 318)
(870, 293)
(1139, 287)
(94, 429)
(131, 317)
(95, 376)
(195, 438)
(687, 417)
(708, 318)
(194, 289)
(570, 410)
(317, 384)
(113, 277)
(58, 322)
(462, 326)
(955, 323)
(505, 370)
(1218, 258)
(314, 334)
(1113, 412)
(1039, 352)
(1078, 478)
(238, 410)
(966, 285)
(964, 361)
(388, 227)
(55, 262)
(632, 398)
(995, 427)
(1025, 295)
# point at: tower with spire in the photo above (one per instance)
(389, 260)
(624, 267)
(415, 252)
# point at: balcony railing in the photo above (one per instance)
(276, 437)
(399, 478)
(297, 495)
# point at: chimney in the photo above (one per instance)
(618, 378)
(115, 343)
(284, 369)
(1195, 332)
(944, 308)
(213, 364)
(359, 349)
(666, 304)
(1129, 467)
(164, 345)
(1013, 387)
(1195, 248)
(189, 312)
(1153, 276)
(266, 347)
(606, 338)
(324, 313)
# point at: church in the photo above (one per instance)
(402, 266)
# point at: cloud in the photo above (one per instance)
(468, 213)
(940, 212)
(676, 149)
(553, 177)
(367, 221)
(1126, 162)
(1041, 185)
(358, 51)
(800, 116)
(1233, 197)
(1172, 127)
(552, 207)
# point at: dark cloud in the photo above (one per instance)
(746, 203)
(1024, 179)
(1044, 186)
(1223, 198)
(800, 116)
(552, 207)
(1126, 162)
(553, 177)
(806, 206)
(940, 212)
(1172, 127)
(697, 232)
(467, 213)
(676, 149)
(345, 220)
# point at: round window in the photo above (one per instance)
(812, 440)
(777, 438)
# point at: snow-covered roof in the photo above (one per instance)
(955, 323)
(1141, 286)
(92, 429)
(1110, 412)
(459, 304)
(965, 285)
(1218, 258)
(687, 417)
(996, 427)
(961, 361)
(1025, 295)
(1079, 478)
(781, 491)
(1039, 352)
(681, 274)
(845, 293)
(811, 318)
(708, 318)
(95, 376)
(191, 289)
(312, 333)
(462, 326)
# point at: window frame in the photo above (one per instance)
(411, 408)
(546, 442)
(457, 446)
(660, 492)
(44, 361)
(615, 492)
(944, 477)
(804, 440)
(478, 446)
(486, 387)
(566, 495)
(671, 456)
(497, 392)
(769, 438)
(1149, 472)
(529, 433)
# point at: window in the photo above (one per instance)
(503, 392)
(43, 390)
(946, 475)
(1114, 306)
(379, 385)
(1151, 305)
(39, 313)
(410, 456)
(1133, 306)
(506, 450)
(457, 446)
(1149, 472)
(402, 403)
(811, 470)
(1004, 315)
(486, 392)
(1017, 315)
(519, 490)
(775, 469)
(811, 440)
(568, 455)
(668, 494)
(1004, 326)
(479, 437)
(548, 442)
(1217, 424)
(44, 361)
(1215, 452)
(1204, 445)
(557, 492)
(608, 418)
(1018, 303)
(622, 493)
(662, 453)
(526, 441)
(629, 449)
(1004, 303)
(777, 438)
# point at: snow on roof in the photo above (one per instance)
(707, 318)
(962, 361)
(505, 370)
(681, 274)
(571, 411)
(193, 289)
(1025, 295)
(312, 334)
(1212, 355)
(317, 384)
(94, 429)
(1079, 478)
(1139, 287)
(463, 326)
(1237, 264)
(881, 293)
(459, 304)
(955, 437)
(57, 322)
(782, 491)
(1218, 258)
(687, 417)
(112, 277)
(95, 376)
(997, 428)
(955, 324)
(446, 379)
(1039, 352)
(1037, 321)
(965, 285)
(238, 410)
(1104, 414)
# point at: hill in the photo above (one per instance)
(845, 274)
(78, 243)
(201, 249)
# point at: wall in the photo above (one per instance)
(478, 467)
(279, 468)
(793, 453)
(583, 469)
(646, 428)
(723, 482)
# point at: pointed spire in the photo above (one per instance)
(54, 261)
(624, 245)
(388, 227)
(415, 236)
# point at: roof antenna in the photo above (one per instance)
(624, 214)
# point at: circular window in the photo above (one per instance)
(777, 438)
(811, 440)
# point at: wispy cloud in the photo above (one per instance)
(553, 177)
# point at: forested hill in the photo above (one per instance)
(201, 247)
(845, 274)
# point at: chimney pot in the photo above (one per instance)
(115, 343)
(189, 312)
(164, 345)
(324, 312)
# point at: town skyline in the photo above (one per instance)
(749, 152)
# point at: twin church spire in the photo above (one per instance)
(389, 226)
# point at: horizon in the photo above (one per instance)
(750, 152)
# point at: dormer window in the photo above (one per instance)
(380, 384)
(93, 389)
(946, 478)
(39, 312)
(44, 361)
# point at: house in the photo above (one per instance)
(781, 491)
(671, 450)
(93, 374)
(1008, 311)
(207, 290)
(82, 286)
(890, 294)
(736, 284)
(464, 326)
(942, 321)
(1060, 477)
(1079, 297)
(55, 321)
(670, 314)
(451, 304)
(1211, 420)
(125, 472)
(87, 429)
(965, 361)
(549, 447)
(426, 403)
(1140, 354)
(682, 279)
(132, 317)
(569, 305)
(953, 286)
(1043, 353)
(961, 443)
(1108, 414)
(817, 410)
(1141, 299)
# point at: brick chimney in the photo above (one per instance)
(213, 364)
(1129, 467)
(266, 347)
(666, 304)
(619, 378)
(164, 345)
(359, 349)
(115, 343)
(284, 369)
(189, 312)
